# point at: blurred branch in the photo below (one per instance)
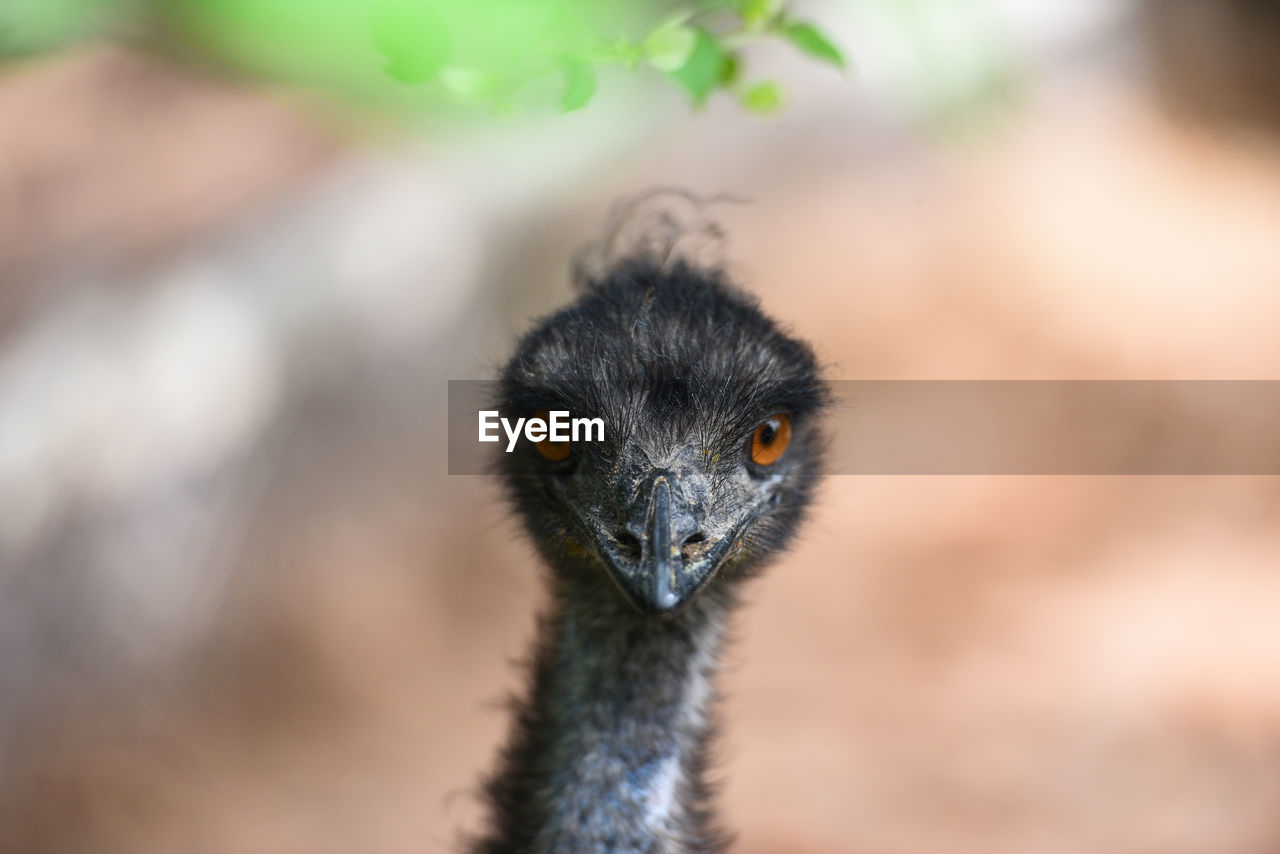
(432, 52)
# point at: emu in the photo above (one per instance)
(709, 462)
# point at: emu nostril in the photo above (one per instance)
(628, 543)
(689, 548)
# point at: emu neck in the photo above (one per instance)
(609, 752)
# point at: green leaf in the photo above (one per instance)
(730, 69)
(763, 98)
(413, 38)
(756, 14)
(811, 40)
(466, 83)
(704, 69)
(580, 85)
(669, 47)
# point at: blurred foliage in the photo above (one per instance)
(496, 53)
(33, 26)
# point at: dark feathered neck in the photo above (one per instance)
(609, 749)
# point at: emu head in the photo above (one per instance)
(711, 440)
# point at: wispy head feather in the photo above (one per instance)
(659, 227)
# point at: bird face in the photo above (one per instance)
(663, 511)
(711, 439)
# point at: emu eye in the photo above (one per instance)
(770, 440)
(554, 451)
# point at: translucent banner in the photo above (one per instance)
(962, 427)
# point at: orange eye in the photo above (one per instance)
(554, 451)
(770, 440)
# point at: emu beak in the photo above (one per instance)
(647, 559)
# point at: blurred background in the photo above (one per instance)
(244, 609)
